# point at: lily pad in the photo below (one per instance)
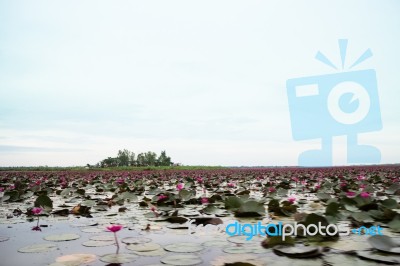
(182, 260)
(384, 243)
(155, 253)
(143, 247)
(135, 240)
(299, 251)
(61, 237)
(184, 247)
(118, 258)
(76, 259)
(38, 248)
(109, 237)
(375, 256)
(94, 243)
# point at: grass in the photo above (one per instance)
(120, 168)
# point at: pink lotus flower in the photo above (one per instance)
(361, 177)
(231, 185)
(1, 189)
(271, 189)
(292, 199)
(114, 228)
(36, 210)
(204, 200)
(343, 184)
(120, 181)
(180, 186)
(350, 194)
(364, 194)
(162, 197)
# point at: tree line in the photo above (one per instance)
(129, 158)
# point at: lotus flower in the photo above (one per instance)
(36, 211)
(364, 194)
(115, 228)
(204, 200)
(350, 194)
(292, 199)
(180, 186)
(162, 197)
(231, 185)
(271, 190)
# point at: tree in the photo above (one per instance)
(163, 159)
(126, 158)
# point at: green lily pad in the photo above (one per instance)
(299, 251)
(375, 256)
(384, 243)
(135, 240)
(270, 242)
(184, 247)
(94, 243)
(109, 237)
(395, 225)
(152, 253)
(118, 258)
(143, 247)
(182, 260)
(61, 237)
(38, 248)
(92, 230)
(237, 250)
(43, 201)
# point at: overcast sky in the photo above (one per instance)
(203, 80)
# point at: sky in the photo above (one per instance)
(203, 80)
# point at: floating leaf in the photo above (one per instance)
(233, 203)
(375, 256)
(270, 242)
(143, 247)
(135, 240)
(38, 248)
(184, 247)
(157, 252)
(395, 224)
(109, 237)
(118, 258)
(43, 201)
(299, 252)
(384, 243)
(95, 243)
(390, 203)
(61, 237)
(76, 259)
(250, 208)
(182, 260)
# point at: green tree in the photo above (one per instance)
(163, 159)
(126, 158)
